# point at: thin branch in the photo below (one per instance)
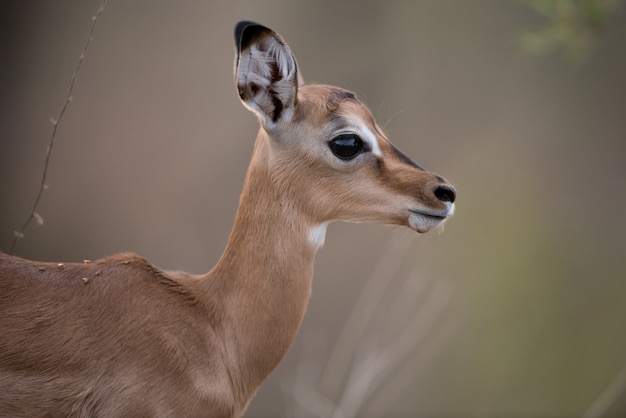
(369, 374)
(608, 397)
(55, 124)
(362, 312)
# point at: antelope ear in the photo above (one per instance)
(266, 73)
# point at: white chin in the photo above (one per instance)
(424, 223)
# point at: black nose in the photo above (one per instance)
(445, 193)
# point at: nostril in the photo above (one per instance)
(445, 194)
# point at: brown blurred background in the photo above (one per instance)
(517, 309)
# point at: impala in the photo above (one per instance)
(121, 337)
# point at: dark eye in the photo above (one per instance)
(346, 146)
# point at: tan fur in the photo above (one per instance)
(119, 337)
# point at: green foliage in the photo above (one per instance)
(573, 26)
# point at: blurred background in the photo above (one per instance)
(517, 309)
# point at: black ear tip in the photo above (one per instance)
(243, 34)
(240, 27)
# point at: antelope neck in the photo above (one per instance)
(264, 276)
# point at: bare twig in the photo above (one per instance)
(361, 314)
(369, 374)
(369, 352)
(608, 397)
(55, 124)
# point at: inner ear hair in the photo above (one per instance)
(266, 72)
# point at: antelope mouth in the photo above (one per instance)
(423, 220)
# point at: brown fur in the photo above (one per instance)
(120, 337)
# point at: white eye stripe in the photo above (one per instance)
(371, 140)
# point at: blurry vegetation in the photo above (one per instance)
(573, 26)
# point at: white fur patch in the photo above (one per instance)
(371, 140)
(317, 235)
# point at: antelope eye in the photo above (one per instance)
(346, 146)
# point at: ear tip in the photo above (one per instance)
(242, 38)
(240, 27)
